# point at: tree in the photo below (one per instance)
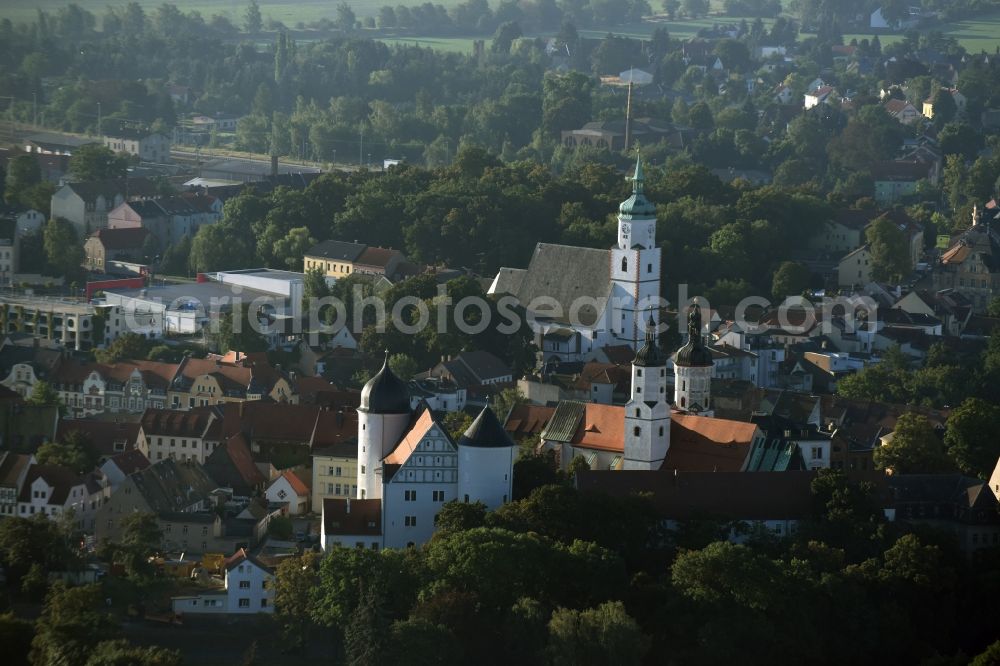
(889, 250)
(458, 516)
(74, 453)
(671, 7)
(791, 279)
(602, 635)
(281, 527)
(63, 250)
(236, 331)
(403, 366)
(15, 636)
(913, 448)
(295, 585)
(96, 162)
(288, 251)
(43, 394)
(943, 107)
(32, 541)
(252, 18)
(122, 653)
(504, 36)
(23, 174)
(346, 19)
(505, 401)
(130, 346)
(694, 8)
(141, 539)
(70, 628)
(365, 636)
(970, 437)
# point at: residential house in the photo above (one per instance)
(610, 134)
(351, 523)
(971, 265)
(56, 491)
(147, 146)
(959, 98)
(963, 505)
(13, 471)
(191, 435)
(67, 323)
(122, 465)
(248, 588)
(170, 219)
(231, 465)
(114, 244)
(745, 505)
(855, 268)
(471, 369)
(86, 205)
(821, 95)
(290, 490)
(205, 382)
(898, 179)
(950, 307)
(338, 259)
(179, 493)
(88, 388)
(902, 111)
(334, 472)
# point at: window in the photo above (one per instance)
(362, 469)
(649, 268)
(409, 495)
(409, 521)
(624, 264)
(637, 431)
(637, 412)
(437, 495)
(336, 489)
(244, 585)
(339, 471)
(661, 431)
(817, 452)
(263, 603)
(244, 603)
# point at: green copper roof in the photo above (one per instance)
(637, 205)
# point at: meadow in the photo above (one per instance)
(982, 34)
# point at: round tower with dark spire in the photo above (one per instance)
(383, 417)
(647, 413)
(693, 370)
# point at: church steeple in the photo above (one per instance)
(647, 413)
(650, 356)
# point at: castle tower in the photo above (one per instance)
(635, 263)
(486, 456)
(693, 370)
(647, 413)
(383, 417)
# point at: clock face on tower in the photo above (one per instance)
(625, 228)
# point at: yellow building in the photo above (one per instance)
(334, 472)
(335, 258)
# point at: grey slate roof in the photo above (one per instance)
(486, 432)
(563, 273)
(563, 424)
(170, 486)
(338, 250)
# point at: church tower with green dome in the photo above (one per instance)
(635, 265)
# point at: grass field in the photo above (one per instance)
(982, 34)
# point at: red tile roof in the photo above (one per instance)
(352, 516)
(401, 453)
(299, 486)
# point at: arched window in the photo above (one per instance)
(637, 411)
(637, 431)
(624, 264)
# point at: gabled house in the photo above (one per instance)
(147, 146)
(55, 491)
(817, 96)
(290, 490)
(902, 111)
(121, 465)
(179, 493)
(86, 205)
(248, 588)
(106, 245)
(971, 265)
(13, 471)
(232, 466)
(166, 434)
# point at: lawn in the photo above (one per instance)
(288, 12)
